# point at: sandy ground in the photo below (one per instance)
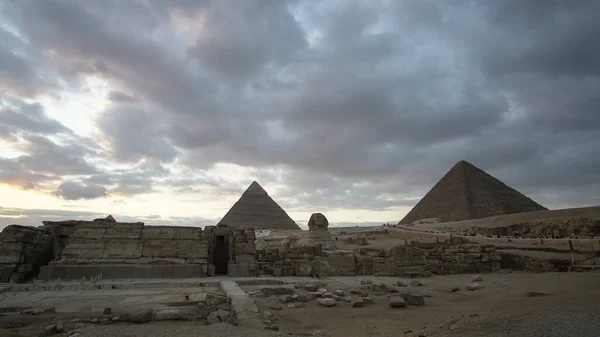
(503, 293)
(502, 308)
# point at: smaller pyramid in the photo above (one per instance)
(258, 210)
(467, 192)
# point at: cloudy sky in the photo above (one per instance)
(165, 111)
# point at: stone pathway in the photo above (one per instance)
(242, 304)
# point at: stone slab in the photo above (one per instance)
(158, 233)
(192, 249)
(188, 233)
(76, 272)
(89, 232)
(160, 248)
(84, 250)
(124, 231)
(123, 249)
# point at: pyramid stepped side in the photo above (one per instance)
(466, 192)
(489, 196)
(447, 200)
(258, 210)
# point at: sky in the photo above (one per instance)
(165, 111)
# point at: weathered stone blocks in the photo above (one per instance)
(123, 249)
(158, 233)
(84, 249)
(124, 231)
(160, 248)
(191, 249)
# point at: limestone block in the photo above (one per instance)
(89, 232)
(198, 261)
(245, 258)
(11, 252)
(84, 250)
(160, 248)
(123, 249)
(158, 233)
(191, 249)
(124, 231)
(397, 301)
(188, 233)
(341, 261)
(249, 248)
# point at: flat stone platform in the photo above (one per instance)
(124, 271)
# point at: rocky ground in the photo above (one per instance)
(501, 304)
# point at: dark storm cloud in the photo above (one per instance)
(17, 117)
(121, 97)
(133, 134)
(388, 95)
(75, 190)
(240, 38)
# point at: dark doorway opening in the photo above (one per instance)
(221, 255)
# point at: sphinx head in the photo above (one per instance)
(318, 223)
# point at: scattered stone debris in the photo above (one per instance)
(539, 293)
(288, 298)
(414, 299)
(397, 302)
(367, 299)
(272, 328)
(327, 302)
(416, 283)
(357, 302)
(400, 284)
(311, 287)
(49, 310)
(321, 333)
(50, 329)
(339, 292)
(142, 315)
(477, 278)
(107, 311)
(475, 286)
(169, 315)
(454, 289)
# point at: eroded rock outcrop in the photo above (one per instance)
(23, 250)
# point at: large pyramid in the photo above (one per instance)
(466, 192)
(257, 209)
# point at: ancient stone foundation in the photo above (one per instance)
(418, 259)
(104, 248)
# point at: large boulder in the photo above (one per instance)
(141, 315)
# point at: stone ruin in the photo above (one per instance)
(110, 249)
(105, 248)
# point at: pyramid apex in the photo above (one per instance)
(463, 163)
(255, 189)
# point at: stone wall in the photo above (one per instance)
(134, 243)
(419, 259)
(23, 250)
